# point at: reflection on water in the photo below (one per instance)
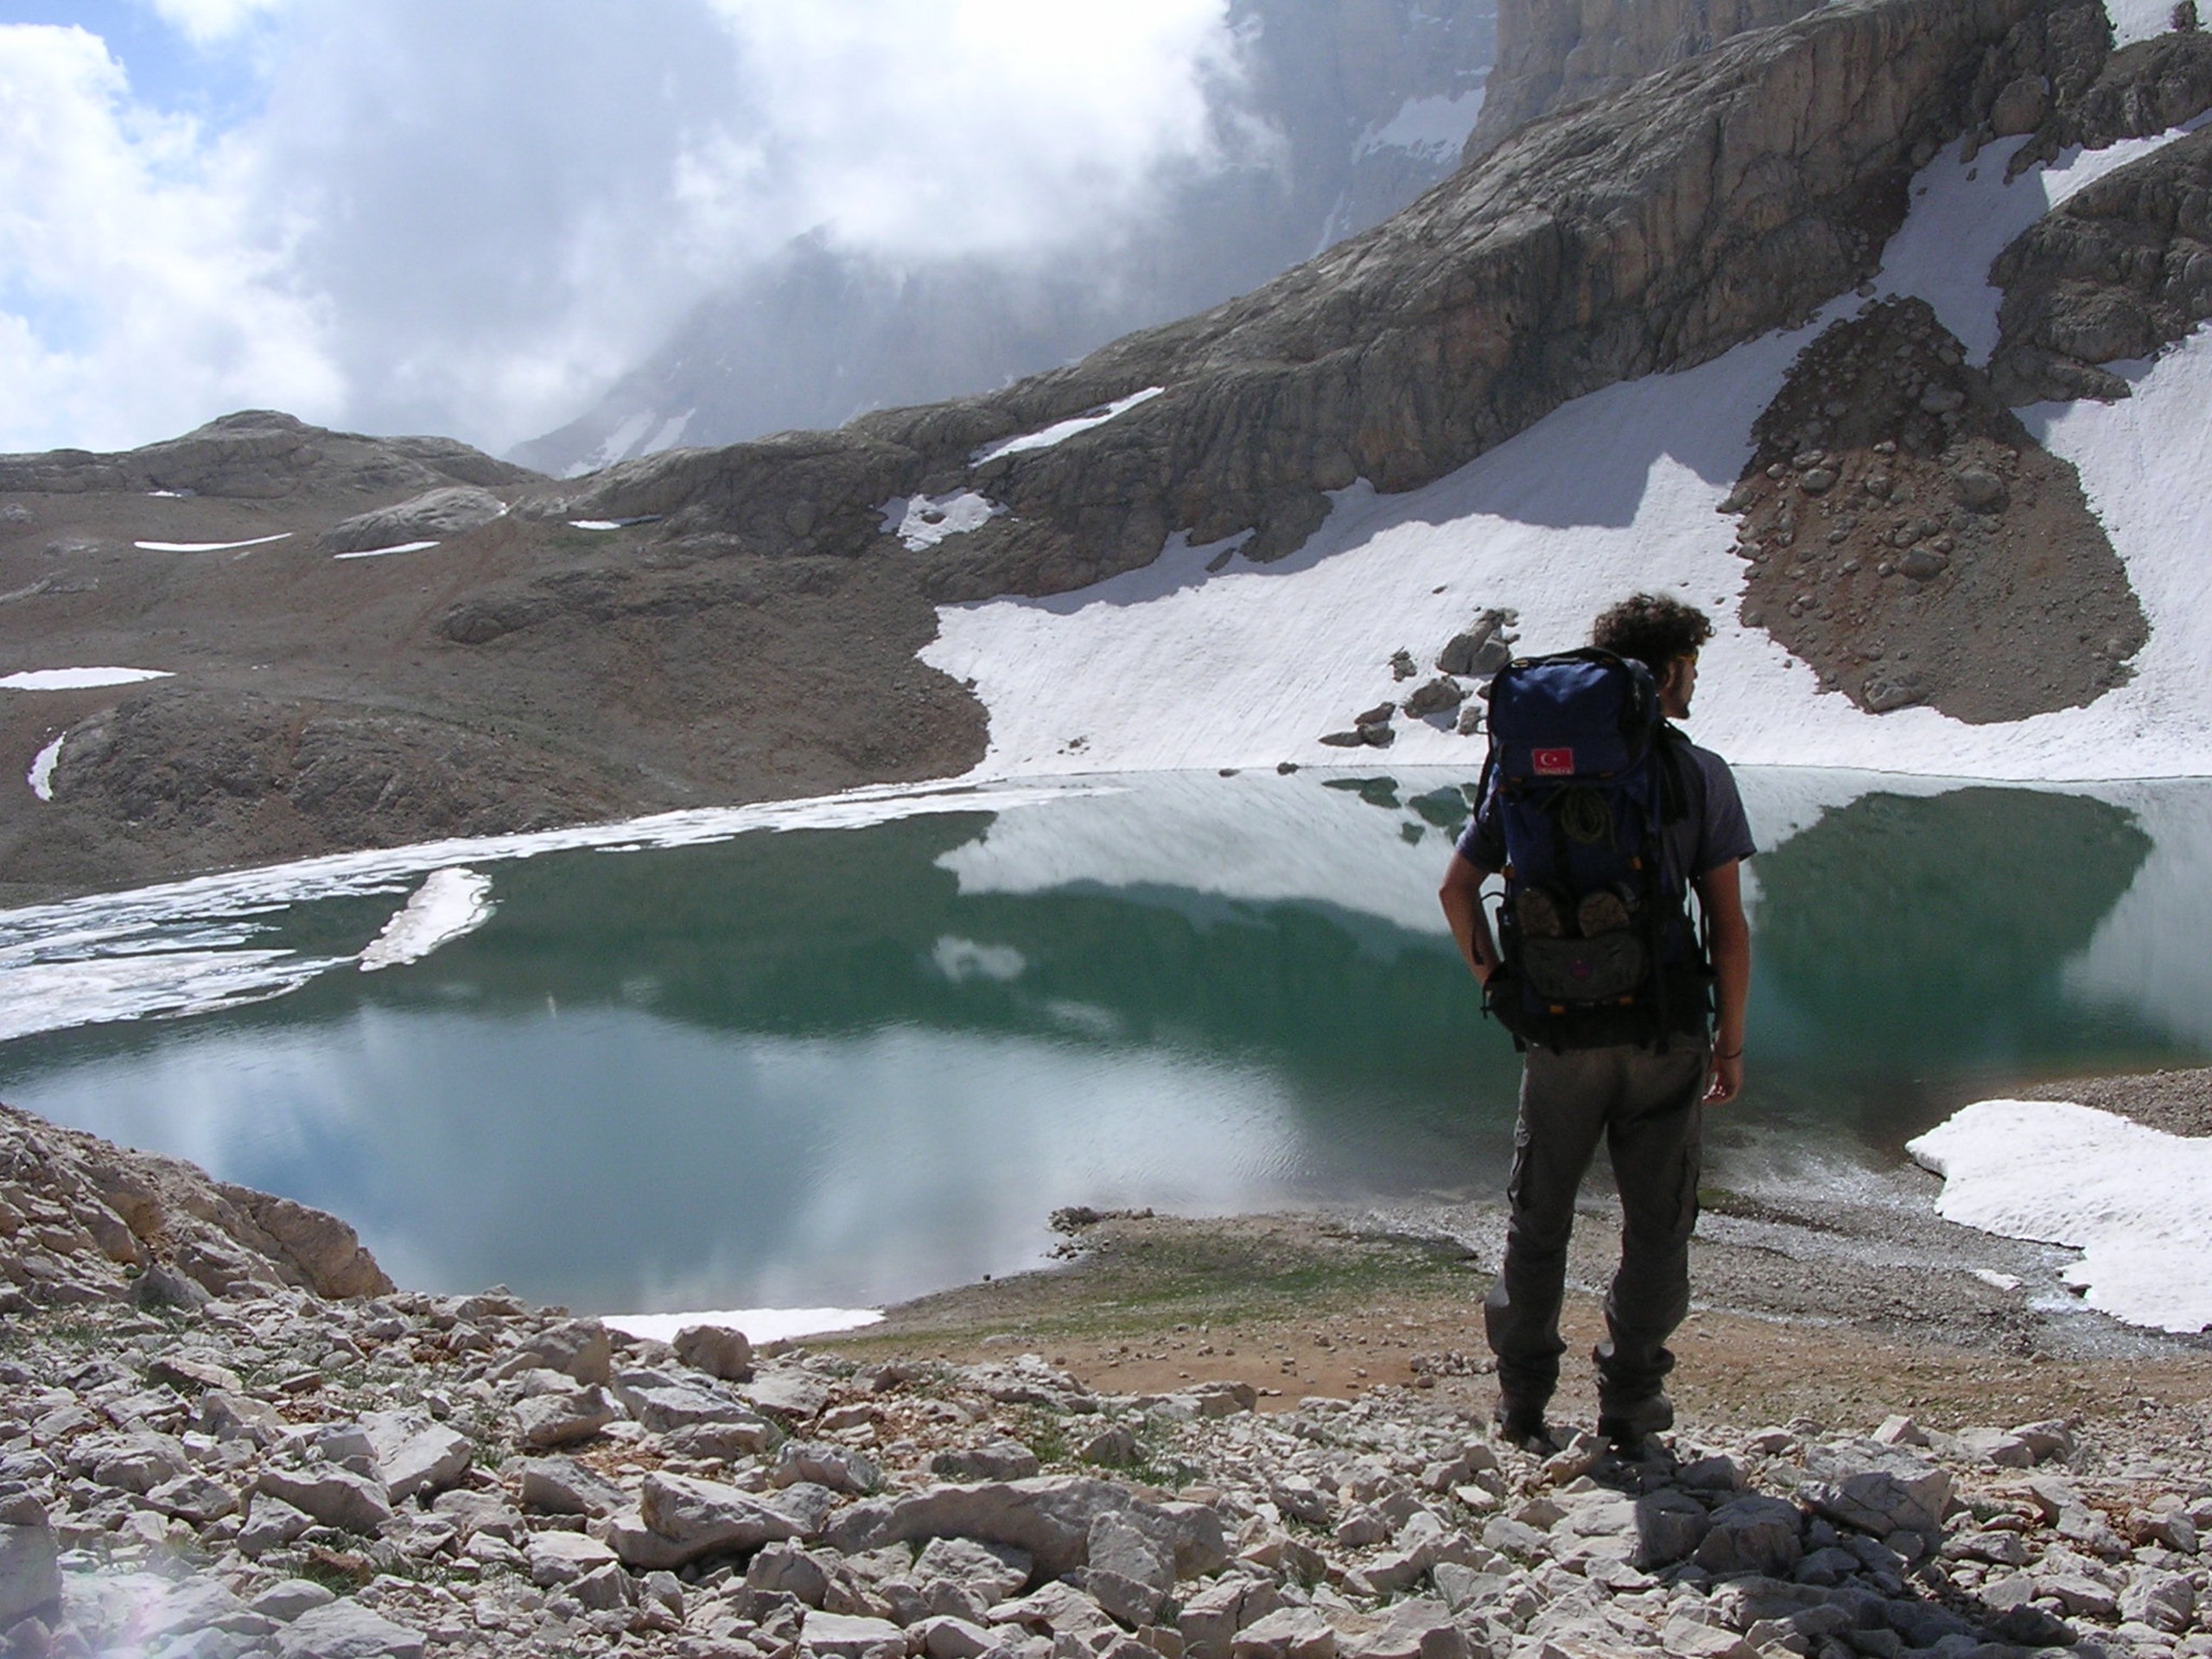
(841, 1065)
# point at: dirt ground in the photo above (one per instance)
(1840, 1313)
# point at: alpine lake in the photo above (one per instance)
(851, 1062)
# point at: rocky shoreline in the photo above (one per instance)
(222, 1432)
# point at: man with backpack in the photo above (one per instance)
(1604, 820)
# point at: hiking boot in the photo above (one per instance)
(1521, 1423)
(1628, 1426)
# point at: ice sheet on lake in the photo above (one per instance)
(77, 679)
(40, 776)
(1060, 432)
(759, 1324)
(380, 552)
(208, 547)
(62, 965)
(448, 904)
(2135, 1201)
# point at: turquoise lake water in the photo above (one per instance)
(839, 1065)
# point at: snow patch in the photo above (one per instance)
(449, 903)
(380, 552)
(615, 523)
(2136, 1201)
(1434, 129)
(759, 1325)
(923, 521)
(618, 445)
(2138, 20)
(208, 547)
(40, 776)
(1061, 431)
(77, 679)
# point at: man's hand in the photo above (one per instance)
(1726, 1078)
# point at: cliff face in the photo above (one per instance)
(1552, 54)
(1707, 205)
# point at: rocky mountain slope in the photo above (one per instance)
(1342, 114)
(713, 624)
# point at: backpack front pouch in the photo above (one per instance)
(1609, 968)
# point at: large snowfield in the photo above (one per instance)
(1174, 665)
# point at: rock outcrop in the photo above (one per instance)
(85, 1222)
(1555, 53)
(259, 453)
(1706, 205)
(2123, 268)
(1907, 536)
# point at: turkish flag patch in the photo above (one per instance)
(1554, 763)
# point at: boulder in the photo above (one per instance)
(789, 1569)
(563, 1486)
(577, 1348)
(346, 1630)
(1131, 1571)
(1050, 1517)
(995, 1571)
(2165, 1601)
(550, 1419)
(698, 1518)
(716, 1350)
(564, 1557)
(1289, 1633)
(335, 1497)
(1877, 1489)
(270, 1523)
(415, 1454)
(1753, 1534)
(840, 1468)
(1415, 1629)
(434, 514)
(1440, 696)
(192, 1498)
(189, 1372)
(999, 1460)
(287, 1598)
(843, 1636)
(1669, 1527)
(30, 1573)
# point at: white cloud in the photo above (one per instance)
(206, 21)
(135, 297)
(468, 218)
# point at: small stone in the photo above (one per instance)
(840, 1635)
(1753, 1534)
(1817, 482)
(270, 1523)
(999, 1460)
(1403, 665)
(194, 1498)
(1439, 695)
(839, 1468)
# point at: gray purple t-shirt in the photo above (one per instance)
(1713, 833)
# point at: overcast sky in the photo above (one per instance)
(415, 215)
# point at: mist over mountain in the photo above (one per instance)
(1345, 112)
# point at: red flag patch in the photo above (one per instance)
(1554, 763)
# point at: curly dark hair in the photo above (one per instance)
(1652, 628)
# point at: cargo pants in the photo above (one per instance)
(1647, 1105)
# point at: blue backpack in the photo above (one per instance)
(1594, 931)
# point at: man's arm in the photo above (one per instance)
(1462, 897)
(1720, 892)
